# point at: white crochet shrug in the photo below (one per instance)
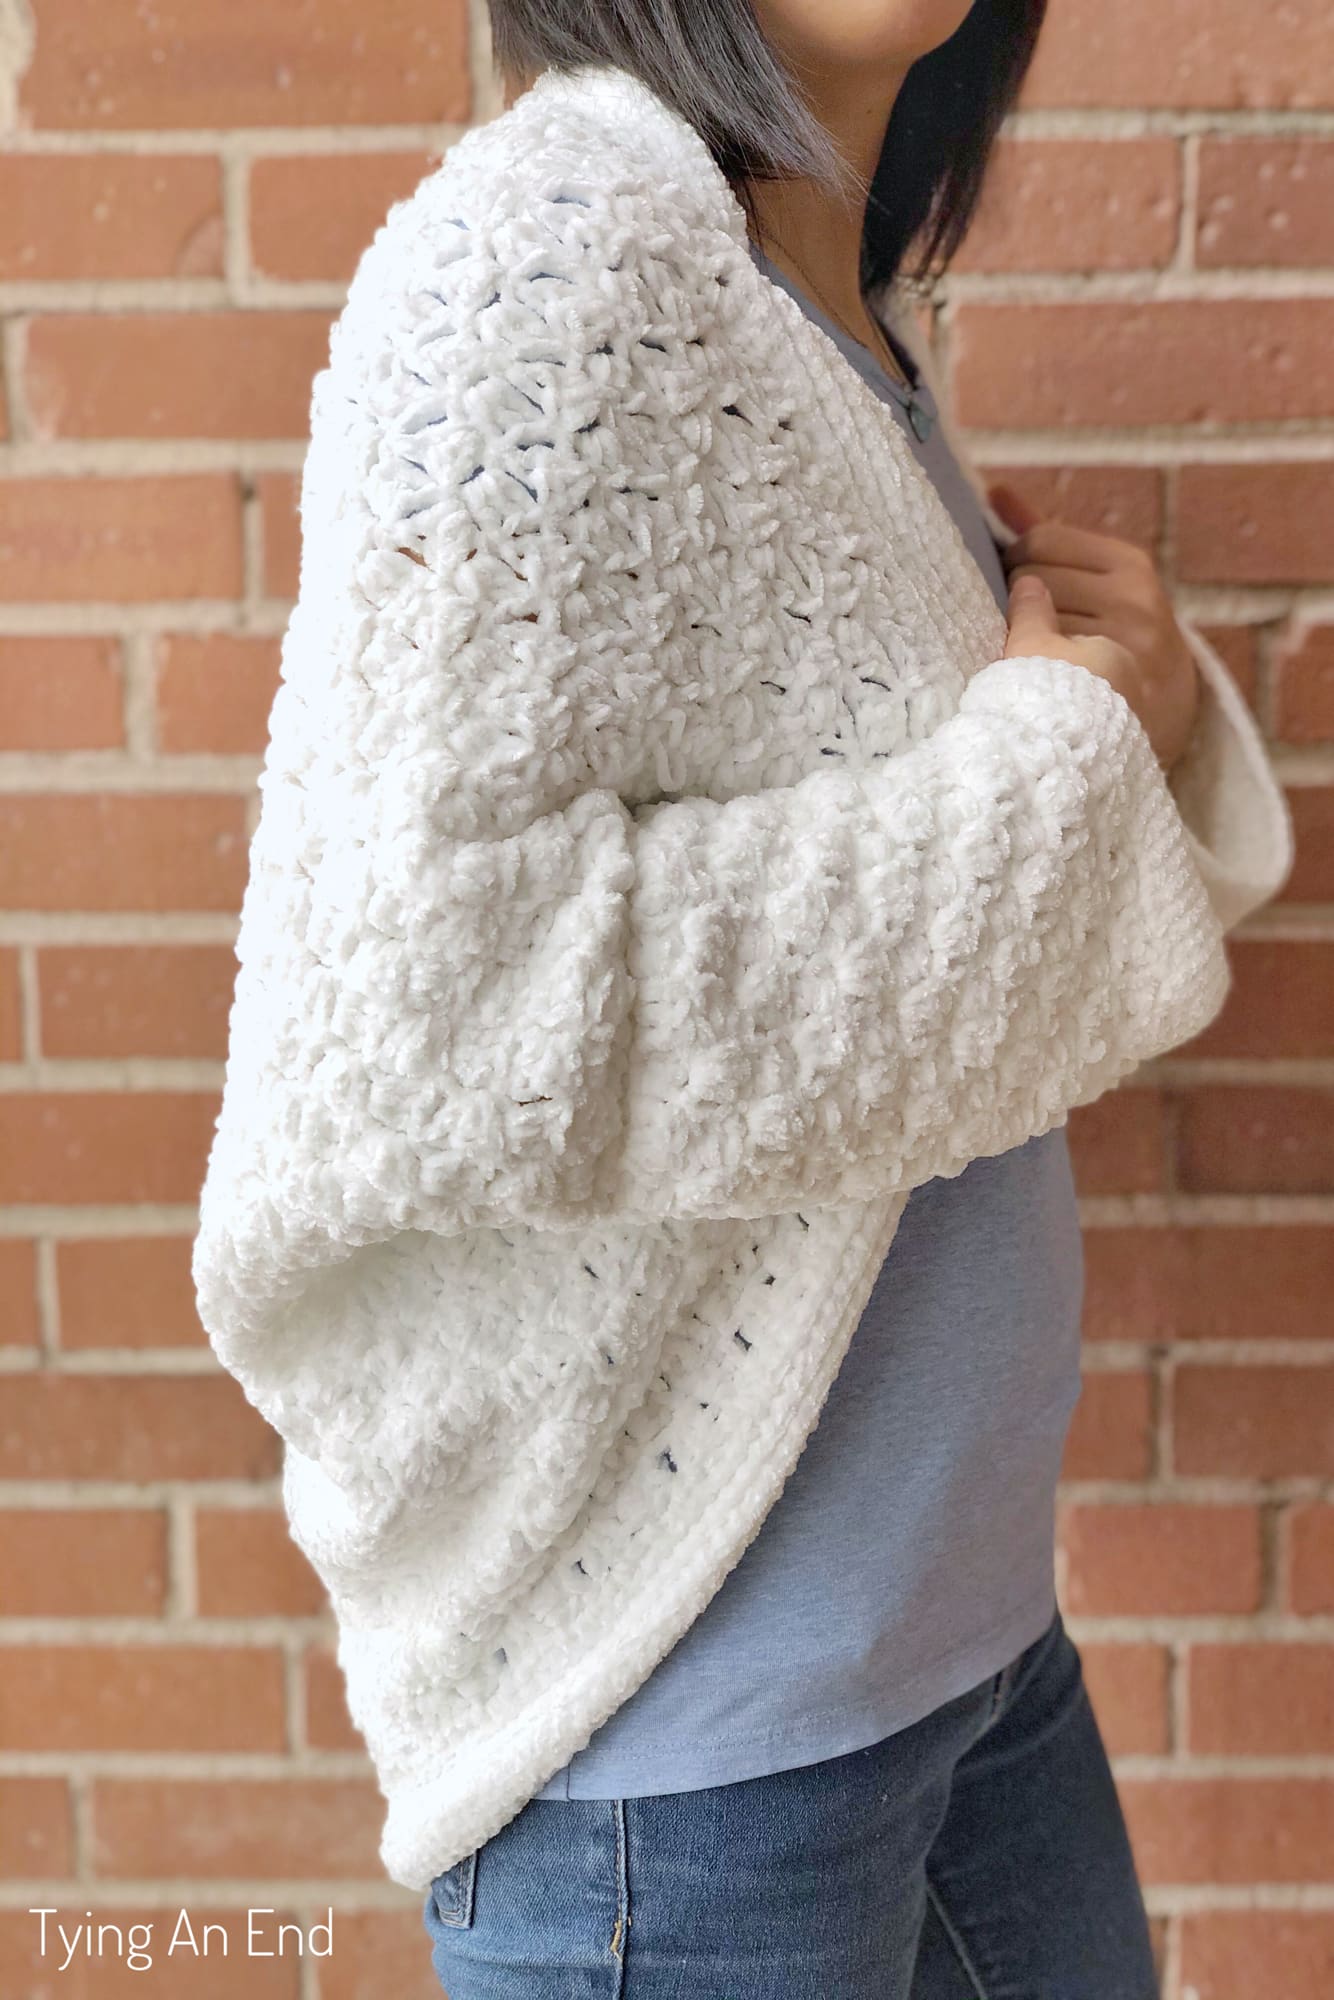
(659, 874)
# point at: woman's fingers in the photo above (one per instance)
(1016, 512)
(1073, 590)
(1081, 623)
(1032, 617)
(1057, 544)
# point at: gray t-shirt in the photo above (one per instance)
(911, 1553)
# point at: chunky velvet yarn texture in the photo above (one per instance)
(658, 874)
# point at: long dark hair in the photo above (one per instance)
(712, 62)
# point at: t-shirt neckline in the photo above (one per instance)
(862, 357)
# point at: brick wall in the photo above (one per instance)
(1141, 331)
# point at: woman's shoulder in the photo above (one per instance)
(579, 195)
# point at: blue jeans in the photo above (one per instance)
(978, 1855)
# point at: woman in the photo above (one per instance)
(682, 915)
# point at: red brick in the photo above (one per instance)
(126, 1291)
(215, 690)
(1311, 1545)
(279, 494)
(1118, 1144)
(379, 1952)
(1261, 1700)
(1261, 524)
(1161, 1559)
(122, 851)
(1122, 500)
(76, 1146)
(312, 215)
(1303, 684)
(1262, 1139)
(249, 1566)
(1111, 1436)
(60, 694)
(1254, 1423)
(328, 1724)
(81, 538)
(1231, 1831)
(1129, 1686)
(1266, 201)
(283, 1829)
(19, 1321)
(11, 1010)
(1278, 1004)
(1076, 205)
(36, 1828)
(135, 999)
(174, 374)
(1196, 54)
(1172, 361)
(1155, 1285)
(127, 1697)
(1312, 877)
(116, 65)
(110, 215)
(1243, 1954)
(132, 1427)
(83, 1562)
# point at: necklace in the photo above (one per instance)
(919, 416)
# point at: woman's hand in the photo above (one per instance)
(1108, 612)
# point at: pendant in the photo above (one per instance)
(920, 418)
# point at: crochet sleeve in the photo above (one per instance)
(863, 982)
(480, 984)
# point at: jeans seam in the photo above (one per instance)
(622, 1924)
(952, 1933)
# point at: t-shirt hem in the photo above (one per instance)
(854, 1726)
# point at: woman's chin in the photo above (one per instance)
(844, 32)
